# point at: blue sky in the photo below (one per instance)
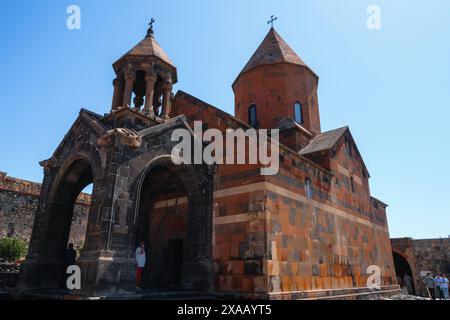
(391, 86)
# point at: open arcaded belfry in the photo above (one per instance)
(147, 73)
(312, 230)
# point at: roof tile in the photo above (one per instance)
(324, 141)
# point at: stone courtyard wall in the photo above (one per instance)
(18, 202)
(431, 255)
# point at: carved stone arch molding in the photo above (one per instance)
(66, 162)
(76, 163)
(197, 184)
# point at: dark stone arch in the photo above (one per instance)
(53, 221)
(194, 183)
(402, 267)
(66, 164)
(91, 152)
(87, 152)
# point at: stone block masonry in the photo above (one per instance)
(18, 204)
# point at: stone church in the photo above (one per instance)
(310, 231)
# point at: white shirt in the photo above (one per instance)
(140, 257)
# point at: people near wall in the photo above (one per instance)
(430, 285)
(437, 281)
(140, 261)
(442, 283)
(444, 287)
(407, 284)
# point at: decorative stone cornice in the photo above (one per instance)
(49, 163)
(120, 137)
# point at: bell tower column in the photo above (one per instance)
(130, 78)
(118, 91)
(149, 93)
(167, 87)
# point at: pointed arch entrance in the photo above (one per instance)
(175, 221)
(402, 267)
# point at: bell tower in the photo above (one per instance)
(144, 79)
(275, 86)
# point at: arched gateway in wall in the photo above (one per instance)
(402, 267)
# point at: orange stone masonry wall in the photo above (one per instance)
(274, 89)
(269, 238)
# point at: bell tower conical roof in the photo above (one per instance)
(147, 49)
(276, 84)
(273, 50)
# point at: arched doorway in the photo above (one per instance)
(72, 180)
(163, 224)
(402, 267)
(174, 216)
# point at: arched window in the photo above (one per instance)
(298, 115)
(352, 183)
(348, 147)
(252, 119)
(308, 188)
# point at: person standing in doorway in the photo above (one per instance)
(430, 285)
(407, 282)
(400, 282)
(71, 256)
(140, 261)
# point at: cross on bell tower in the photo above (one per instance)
(150, 31)
(272, 20)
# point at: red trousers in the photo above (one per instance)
(139, 275)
